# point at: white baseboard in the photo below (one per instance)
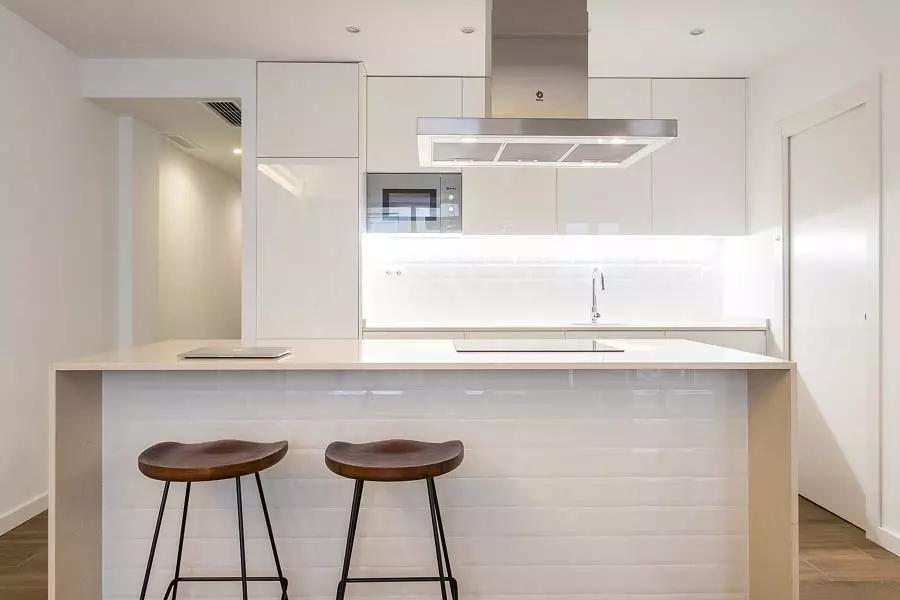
(22, 513)
(887, 539)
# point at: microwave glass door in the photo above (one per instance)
(409, 211)
(411, 205)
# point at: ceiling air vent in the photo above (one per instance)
(229, 111)
(181, 141)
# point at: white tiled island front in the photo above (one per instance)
(664, 472)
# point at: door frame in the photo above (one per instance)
(866, 94)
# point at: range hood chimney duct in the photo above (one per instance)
(539, 59)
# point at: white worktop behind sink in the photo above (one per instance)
(742, 325)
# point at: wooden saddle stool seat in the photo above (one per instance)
(209, 461)
(393, 460)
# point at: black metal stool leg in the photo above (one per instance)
(240, 512)
(351, 535)
(437, 538)
(454, 590)
(162, 509)
(187, 497)
(265, 509)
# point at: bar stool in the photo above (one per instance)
(211, 461)
(396, 460)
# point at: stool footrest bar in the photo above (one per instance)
(395, 579)
(251, 579)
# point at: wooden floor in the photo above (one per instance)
(837, 562)
(23, 561)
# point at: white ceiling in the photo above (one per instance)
(421, 37)
(189, 119)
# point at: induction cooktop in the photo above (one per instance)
(524, 345)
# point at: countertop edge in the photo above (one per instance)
(195, 366)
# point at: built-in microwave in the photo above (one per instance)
(414, 203)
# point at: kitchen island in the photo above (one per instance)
(665, 471)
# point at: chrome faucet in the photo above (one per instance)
(595, 276)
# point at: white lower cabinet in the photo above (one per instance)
(308, 248)
(617, 334)
(414, 335)
(515, 335)
(748, 341)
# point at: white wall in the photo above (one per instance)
(862, 50)
(547, 279)
(185, 239)
(188, 78)
(57, 252)
(143, 228)
(199, 249)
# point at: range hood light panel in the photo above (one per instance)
(560, 143)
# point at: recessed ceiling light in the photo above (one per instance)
(469, 140)
(617, 141)
(468, 30)
(698, 31)
(237, 151)
(352, 29)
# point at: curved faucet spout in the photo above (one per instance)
(596, 276)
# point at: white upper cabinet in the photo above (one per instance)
(308, 110)
(394, 105)
(474, 101)
(509, 200)
(609, 201)
(699, 179)
(308, 251)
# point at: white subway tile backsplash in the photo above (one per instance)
(619, 485)
(531, 279)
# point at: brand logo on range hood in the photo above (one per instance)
(538, 100)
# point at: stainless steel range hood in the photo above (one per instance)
(537, 100)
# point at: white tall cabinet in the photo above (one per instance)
(308, 110)
(309, 186)
(308, 256)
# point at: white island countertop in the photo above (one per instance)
(398, 355)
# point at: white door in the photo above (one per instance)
(833, 215)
